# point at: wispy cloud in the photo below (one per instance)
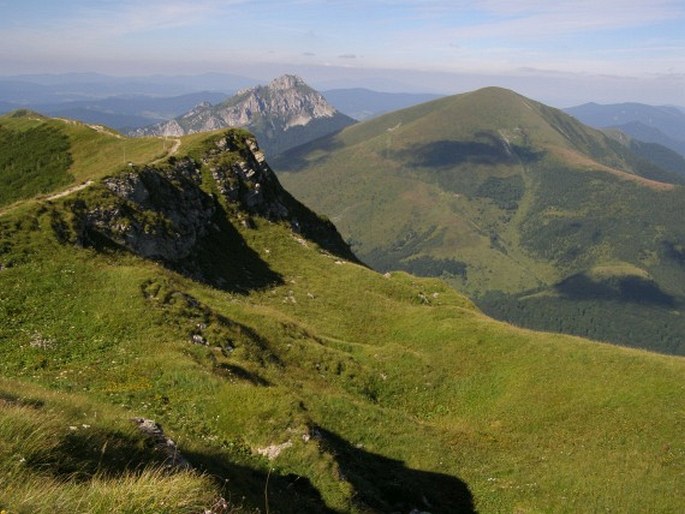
(488, 36)
(131, 17)
(531, 19)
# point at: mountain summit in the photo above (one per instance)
(283, 114)
(542, 220)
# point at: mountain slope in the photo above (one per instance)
(655, 153)
(282, 114)
(292, 379)
(500, 194)
(39, 154)
(661, 125)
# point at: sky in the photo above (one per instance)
(562, 51)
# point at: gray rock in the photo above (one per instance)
(162, 215)
(163, 444)
(269, 111)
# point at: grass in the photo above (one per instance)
(48, 154)
(519, 194)
(66, 453)
(386, 389)
(26, 172)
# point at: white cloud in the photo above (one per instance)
(130, 17)
(534, 19)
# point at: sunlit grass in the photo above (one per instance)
(405, 372)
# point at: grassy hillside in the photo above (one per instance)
(506, 198)
(663, 124)
(41, 155)
(67, 453)
(301, 383)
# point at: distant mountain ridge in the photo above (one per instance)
(283, 114)
(657, 154)
(128, 112)
(362, 103)
(31, 90)
(664, 125)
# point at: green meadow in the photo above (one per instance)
(317, 385)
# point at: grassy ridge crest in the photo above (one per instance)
(343, 389)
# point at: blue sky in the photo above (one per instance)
(585, 47)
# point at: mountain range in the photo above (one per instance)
(127, 112)
(128, 103)
(664, 125)
(24, 91)
(284, 113)
(544, 221)
(179, 334)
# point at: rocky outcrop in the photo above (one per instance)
(168, 213)
(156, 213)
(248, 181)
(284, 113)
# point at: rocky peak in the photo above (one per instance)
(287, 100)
(201, 107)
(284, 113)
(286, 82)
(244, 178)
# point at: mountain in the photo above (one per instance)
(25, 91)
(645, 133)
(126, 112)
(662, 125)
(361, 104)
(282, 114)
(657, 154)
(181, 335)
(516, 204)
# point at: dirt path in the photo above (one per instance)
(68, 191)
(172, 151)
(80, 187)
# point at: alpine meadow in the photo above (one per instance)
(342, 257)
(544, 222)
(189, 288)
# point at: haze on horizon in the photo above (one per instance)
(564, 53)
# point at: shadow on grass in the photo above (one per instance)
(223, 259)
(674, 252)
(85, 452)
(487, 149)
(301, 157)
(620, 289)
(234, 372)
(11, 399)
(261, 491)
(382, 484)
(379, 484)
